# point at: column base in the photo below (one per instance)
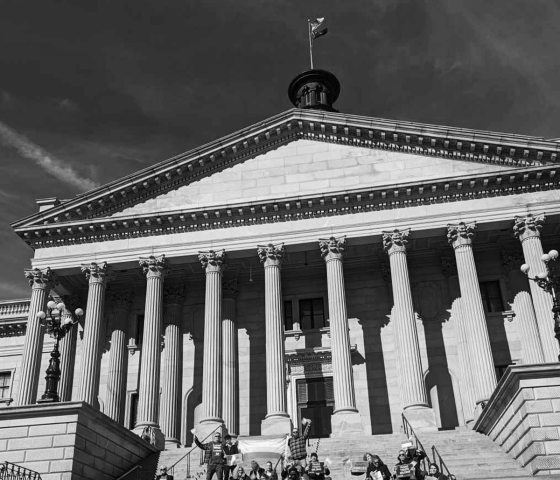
(207, 427)
(346, 423)
(157, 439)
(421, 418)
(172, 443)
(277, 425)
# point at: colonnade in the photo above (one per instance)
(219, 389)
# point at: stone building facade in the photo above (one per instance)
(340, 268)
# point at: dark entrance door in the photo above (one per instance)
(315, 400)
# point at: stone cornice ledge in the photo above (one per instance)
(514, 380)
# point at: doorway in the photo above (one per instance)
(315, 401)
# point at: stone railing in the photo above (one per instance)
(14, 309)
(523, 416)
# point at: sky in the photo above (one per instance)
(93, 91)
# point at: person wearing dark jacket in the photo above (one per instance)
(376, 469)
(163, 474)
(229, 449)
(239, 474)
(270, 472)
(434, 473)
(316, 471)
(214, 456)
(256, 471)
(408, 464)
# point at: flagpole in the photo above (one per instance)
(310, 43)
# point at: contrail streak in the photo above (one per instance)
(52, 165)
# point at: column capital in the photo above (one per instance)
(448, 267)
(332, 248)
(395, 241)
(121, 299)
(528, 226)
(213, 261)
(155, 266)
(460, 234)
(229, 288)
(174, 294)
(41, 278)
(271, 255)
(98, 273)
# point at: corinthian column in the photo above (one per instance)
(527, 230)
(118, 356)
(346, 419)
(169, 415)
(277, 420)
(413, 390)
(229, 357)
(68, 350)
(98, 275)
(460, 237)
(41, 282)
(214, 263)
(528, 330)
(155, 269)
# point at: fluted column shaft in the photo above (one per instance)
(41, 282)
(118, 357)
(68, 352)
(229, 357)
(460, 237)
(413, 389)
(155, 269)
(214, 264)
(171, 371)
(528, 331)
(343, 377)
(468, 393)
(527, 230)
(98, 275)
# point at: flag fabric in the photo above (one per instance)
(317, 29)
(271, 446)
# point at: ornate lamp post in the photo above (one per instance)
(57, 327)
(550, 283)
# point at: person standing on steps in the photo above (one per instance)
(317, 470)
(298, 447)
(229, 449)
(214, 456)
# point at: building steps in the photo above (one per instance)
(469, 455)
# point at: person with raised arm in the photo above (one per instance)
(214, 456)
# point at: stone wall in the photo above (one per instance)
(66, 441)
(523, 416)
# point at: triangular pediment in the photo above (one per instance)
(304, 168)
(298, 157)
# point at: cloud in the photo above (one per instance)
(50, 164)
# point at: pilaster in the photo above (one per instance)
(121, 302)
(171, 392)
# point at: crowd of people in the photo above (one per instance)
(298, 467)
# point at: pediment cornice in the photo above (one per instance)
(402, 195)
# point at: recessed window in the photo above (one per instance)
(288, 316)
(133, 410)
(139, 330)
(5, 382)
(311, 313)
(492, 296)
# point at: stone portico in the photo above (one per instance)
(316, 264)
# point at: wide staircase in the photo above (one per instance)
(466, 454)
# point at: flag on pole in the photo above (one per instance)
(317, 29)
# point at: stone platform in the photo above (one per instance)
(69, 441)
